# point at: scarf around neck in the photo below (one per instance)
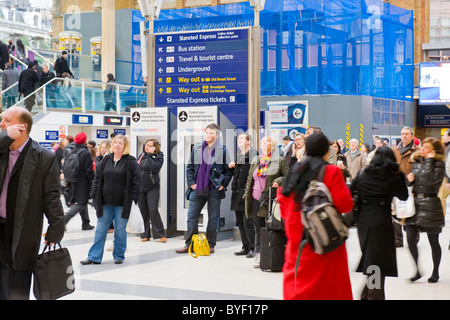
(263, 164)
(404, 149)
(204, 185)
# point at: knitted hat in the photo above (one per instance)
(317, 145)
(80, 138)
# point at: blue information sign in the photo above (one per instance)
(52, 135)
(122, 132)
(102, 133)
(202, 68)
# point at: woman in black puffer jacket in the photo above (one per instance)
(151, 162)
(426, 177)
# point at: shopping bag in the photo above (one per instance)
(405, 209)
(53, 274)
(135, 222)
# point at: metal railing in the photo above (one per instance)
(66, 94)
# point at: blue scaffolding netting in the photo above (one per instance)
(310, 47)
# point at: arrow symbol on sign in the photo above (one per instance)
(161, 90)
(160, 60)
(160, 70)
(161, 39)
(160, 49)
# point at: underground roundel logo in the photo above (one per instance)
(183, 116)
(136, 116)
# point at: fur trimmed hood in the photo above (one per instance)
(416, 155)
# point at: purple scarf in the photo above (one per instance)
(204, 185)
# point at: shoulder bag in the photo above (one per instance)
(53, 274)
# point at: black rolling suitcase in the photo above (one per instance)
(273, 244)
(273, 240)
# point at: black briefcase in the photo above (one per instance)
(53, 274)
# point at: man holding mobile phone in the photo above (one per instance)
(29, 182)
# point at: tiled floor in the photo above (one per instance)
(152, 270)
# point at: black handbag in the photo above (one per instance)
(53, 274)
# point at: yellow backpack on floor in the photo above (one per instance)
(200, 246)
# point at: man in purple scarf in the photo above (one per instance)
(208, 175)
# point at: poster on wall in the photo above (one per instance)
(287, 118)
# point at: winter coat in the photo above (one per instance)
(404, 160)
(355, 165)
(109, 93)
(38, 194)
(375, 232)
(276, 170)
(240, 176)
(220, 174)
(82, 188)
(11, 77)
(132, 189)
(27, 81)
(46, 77)
(151, 164)
(319, 276)
(428, 173)
(4, 55)
(62, 66)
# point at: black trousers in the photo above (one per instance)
(84, 213)
(259, 222)
(246, 230)
(14, 284)
(148, 205)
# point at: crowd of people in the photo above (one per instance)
(377, 176)
(114, 179)
(36, 75)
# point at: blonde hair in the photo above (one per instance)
(126, 149)
(273, 142)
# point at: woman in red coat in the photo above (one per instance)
(319, 276)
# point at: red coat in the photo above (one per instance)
(319, 277)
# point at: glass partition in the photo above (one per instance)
(85, 96)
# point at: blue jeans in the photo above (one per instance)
(110, 214)
(196, 204)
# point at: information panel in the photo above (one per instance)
(434, 83)
(201, 68)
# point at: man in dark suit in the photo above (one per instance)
(27, 85)
(29, 190)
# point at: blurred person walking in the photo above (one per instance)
(319, 276)
(80, 189)
(377, 185)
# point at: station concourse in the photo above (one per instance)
(153, 271)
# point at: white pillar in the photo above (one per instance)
(108, 38)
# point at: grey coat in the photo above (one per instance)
(10, 77)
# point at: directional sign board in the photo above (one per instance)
(202, 68)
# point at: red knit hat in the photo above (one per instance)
(416, 141)
(80, 138)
